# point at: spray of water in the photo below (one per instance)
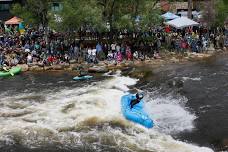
(91, 116)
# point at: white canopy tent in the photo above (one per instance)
(182, 22)
(185, 13)
(169, 16)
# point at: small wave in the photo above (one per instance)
(91, 115)
(15, 113)
(170, 114)
(193, 79)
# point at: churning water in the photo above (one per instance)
(49, 112)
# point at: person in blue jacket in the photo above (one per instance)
(139, 97)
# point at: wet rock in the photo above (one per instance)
(74, 66)
(15, 114)
(129, 63)
(68, 69)
(111, 72)
(225, 143)
(175, 60)
(72, 61)
(68, 107)
(176, 83)
(40, 64)
(36, 68)
(24, 67)
(65, 65)
(126, 69)
(98, 69)
(139, 73)
(48, 68)
(57, 67)
(102, 63)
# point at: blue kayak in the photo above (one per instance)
(83, 77)
(136, 114)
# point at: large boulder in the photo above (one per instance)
(57, 67)
(74, 66)
(36, 68)
(68, 69)
(24, 67)
(46, 68)
(174, 60)
(65, 65)
(102, 63)
(73, 61)
(98, 69)
(178, 83)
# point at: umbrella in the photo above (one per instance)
(14, 20)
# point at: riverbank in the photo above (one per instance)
(173, 59)
(166, 57)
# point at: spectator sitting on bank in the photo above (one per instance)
(27, 46)
(136, 55)
(156, 55)
(110, 56)
(67, 58)
(29, 59)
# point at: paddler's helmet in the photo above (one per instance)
(139, 95)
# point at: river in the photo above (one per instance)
(51, 112)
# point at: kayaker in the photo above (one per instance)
(5, 68)
(82, 73)
(139, 97)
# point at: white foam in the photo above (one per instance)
(169, 114)
(193, 79)
(101, 101)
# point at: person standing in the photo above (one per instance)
(89, 55)
(94, 53)
(1, 58)
(76, 52)
(99, 50)
(113, 47)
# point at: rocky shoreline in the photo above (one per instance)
(105, 66)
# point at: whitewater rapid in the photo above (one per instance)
(91, 115)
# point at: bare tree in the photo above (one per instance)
(209, 12)
(190, 9)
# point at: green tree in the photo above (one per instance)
(150, 14)
(33, 12)
(122, 14)
(77, 14)
(221, 9)
(215, 12)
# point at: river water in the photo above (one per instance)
(51, 112)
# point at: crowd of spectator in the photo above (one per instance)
(35, 48)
